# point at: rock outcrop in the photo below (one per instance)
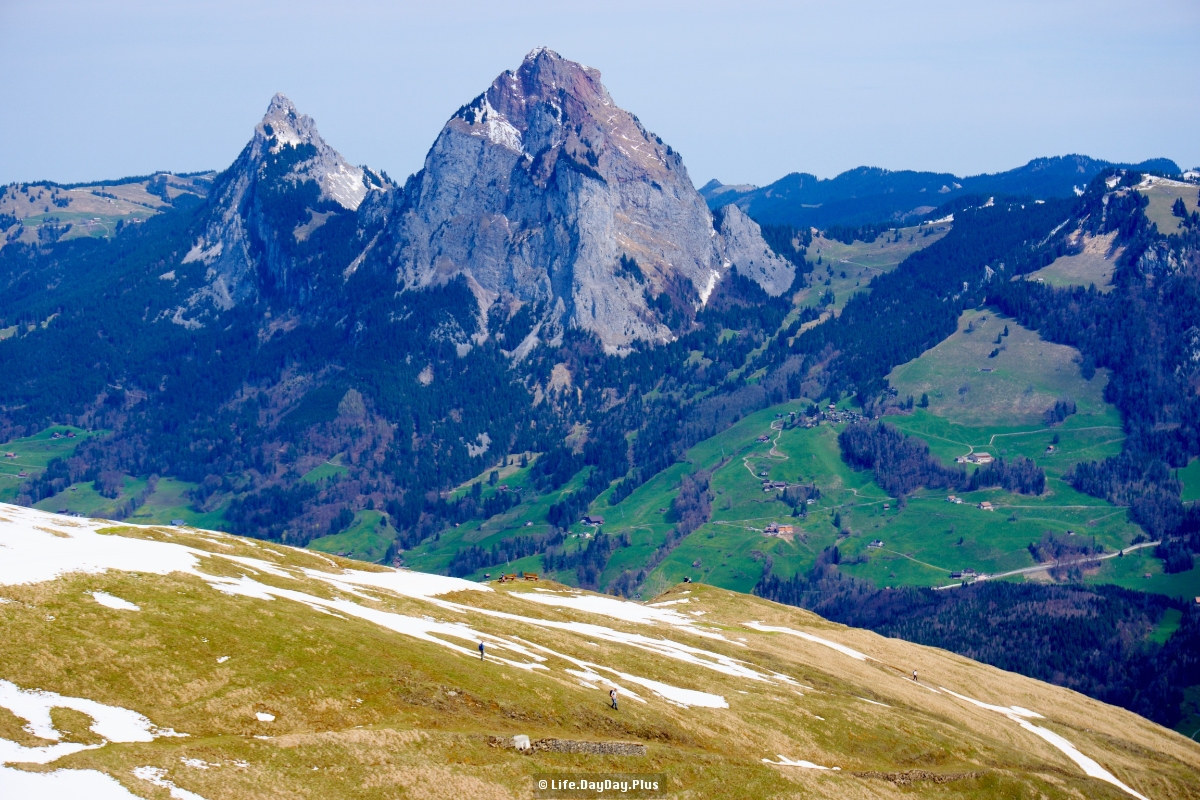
(543, 191)
(745, 251)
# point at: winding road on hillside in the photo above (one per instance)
(1055, 564)
(773, 453)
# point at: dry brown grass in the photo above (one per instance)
(384, 715)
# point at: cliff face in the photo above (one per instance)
(543, 191)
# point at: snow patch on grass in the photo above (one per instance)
(841, 648)
(158, 777)
(115, 724)
(784, 761)
(1019, 715)
(62, 784)
(109, 601)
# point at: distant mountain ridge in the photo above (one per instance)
(871, 194)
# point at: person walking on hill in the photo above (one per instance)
(914, 671)
(612, 695)
(481, 653)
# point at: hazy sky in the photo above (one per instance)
(746, 91)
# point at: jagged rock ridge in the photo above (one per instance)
(542, 190)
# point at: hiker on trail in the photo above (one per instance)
(612, 693)
(914, 671)
(481, 657)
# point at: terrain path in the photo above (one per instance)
(1055, 564)
(773, 453)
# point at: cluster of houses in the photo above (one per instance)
(876, 543)
(975, 458)
(831, 415)
(768, 486)
(775, 529)
(965, 573)
(67, 435)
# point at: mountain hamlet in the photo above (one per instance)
(381, 488)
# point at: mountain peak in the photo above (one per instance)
(284, 158)
(542, 190)
(284, 126)
(280, 103)
(540, 52)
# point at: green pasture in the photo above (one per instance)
(83, 499)
(1141, 571)
(333, 468)
(367, 538)
(511, 474)
(967, 385)
(1190, 477)
(923, 542)
(1162, 196)
(33, 453)
(171, 500)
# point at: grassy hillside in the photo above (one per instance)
(1093, 265)
(47, 212)
(284, 669)
(33, 453)
(1162, 194)
(849, 268)
(922, 542)
(367, 538)
(968, 385)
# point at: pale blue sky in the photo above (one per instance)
(746, 91)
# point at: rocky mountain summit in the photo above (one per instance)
(285, 186)
(543, 191)
(540, 192)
